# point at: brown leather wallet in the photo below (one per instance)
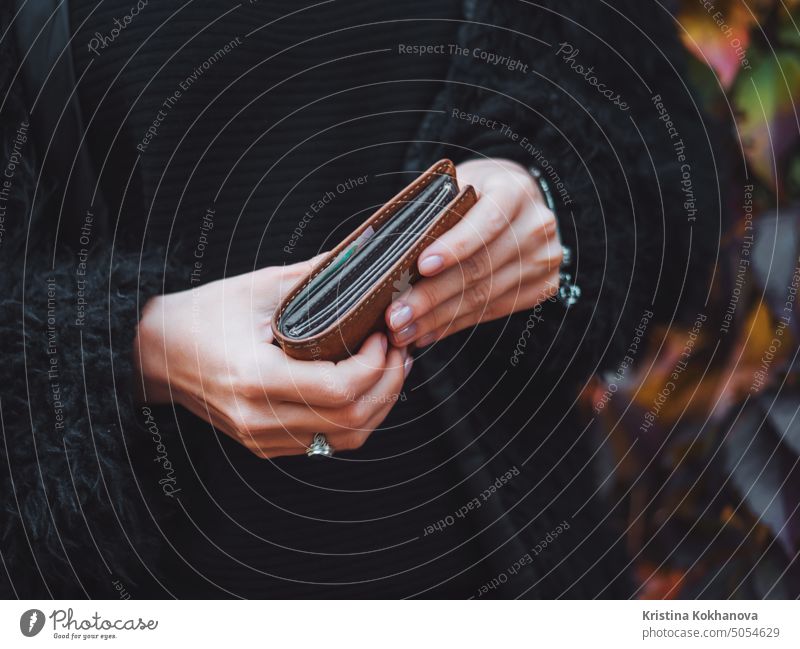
(332, 310)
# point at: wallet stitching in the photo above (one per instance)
(436, 171)
(382, 285)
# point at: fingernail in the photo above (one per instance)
(407, 365)
(426, 340)
(400, 316)
(406, 334)
(431, 265)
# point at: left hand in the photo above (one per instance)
(502, 257)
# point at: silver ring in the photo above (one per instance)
(319, 447)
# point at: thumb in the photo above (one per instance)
(293, 272)
(289, 275)
(273, 283)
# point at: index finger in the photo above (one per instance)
(487, 219)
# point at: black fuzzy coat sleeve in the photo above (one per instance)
(80, 499)
(80, 505)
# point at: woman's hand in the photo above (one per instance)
(209, 349)
(502, 257)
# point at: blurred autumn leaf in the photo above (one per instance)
(765, 471)
(777, 242)
(768, 120)
(717, 45)
(658, 584)
(712, 486)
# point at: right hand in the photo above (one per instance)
(210, 350)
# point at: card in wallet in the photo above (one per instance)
(332, 310)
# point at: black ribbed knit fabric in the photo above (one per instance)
(218, 128)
